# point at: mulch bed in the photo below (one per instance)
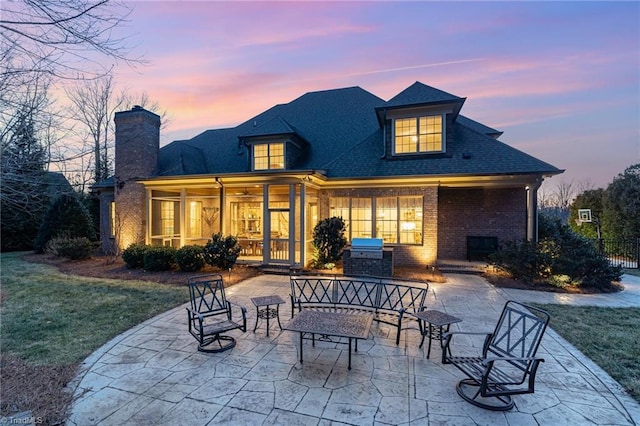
(501, 280)
(39, 389)
(114, 268)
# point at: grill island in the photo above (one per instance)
(368, 256)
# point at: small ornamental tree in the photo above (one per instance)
(329, 240)
(222, 252)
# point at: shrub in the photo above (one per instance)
(71, 248)
(522, 260)
(328, 241)
(190, 258)
(222, 252)
(66, 217)
(133, 255)
(158, 258)
(562, 257)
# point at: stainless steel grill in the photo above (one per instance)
(366, 248)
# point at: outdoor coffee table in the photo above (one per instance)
(337, 324)
(264, 311)
(435, 327)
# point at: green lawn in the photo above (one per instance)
(49, 318)
(608, 336)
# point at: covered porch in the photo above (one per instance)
(271, 216)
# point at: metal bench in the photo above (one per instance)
(508, 363)
(210, 314)
(387, 299)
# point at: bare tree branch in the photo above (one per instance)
(60, 37)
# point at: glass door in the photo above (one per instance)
(279, 235)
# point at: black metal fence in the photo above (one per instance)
(625, 253)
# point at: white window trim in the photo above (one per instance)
(268, 144)
(417, 113)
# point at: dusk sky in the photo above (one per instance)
(560, 79)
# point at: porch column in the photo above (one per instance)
(292, 223)
(148, 227)
(532, 211)
(266, 224)
(303, 224)
(183, 215)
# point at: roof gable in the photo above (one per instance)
(276, 126)
(420, 94)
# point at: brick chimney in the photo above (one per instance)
(136, 152)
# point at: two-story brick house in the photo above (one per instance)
(411, 171)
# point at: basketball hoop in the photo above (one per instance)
(584, 215)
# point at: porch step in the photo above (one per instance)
(277, 269)
(461, 266)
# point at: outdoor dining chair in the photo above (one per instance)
(507, 365)
(210, 314)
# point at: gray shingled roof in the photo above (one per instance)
(276, 126)
(418, 94)
(478, 127)
(346, 139)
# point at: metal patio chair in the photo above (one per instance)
(508, 363)
(210, 314)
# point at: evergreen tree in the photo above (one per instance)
(621, 204)
(66, 217)
(24, 191)
(591, 199)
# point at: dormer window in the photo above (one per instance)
(268, 156)
(417, 135)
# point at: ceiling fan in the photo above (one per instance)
(244, 194)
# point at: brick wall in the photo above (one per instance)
(479, 212)
(136, 157)
(375, 267)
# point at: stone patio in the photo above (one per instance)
(154, 375)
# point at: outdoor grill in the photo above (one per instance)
(366, 248)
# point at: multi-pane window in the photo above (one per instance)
(112, 218)
(410, 220)
(396, 219)
(195, 219)
(387, 219)
(268, 156)
(167, 216)
(339, 207)
(418, 134)
(361, 225)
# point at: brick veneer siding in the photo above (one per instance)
(479, 212)
(376, 267)
(136, 157)
(403, 254)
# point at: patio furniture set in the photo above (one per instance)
(344, 307)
